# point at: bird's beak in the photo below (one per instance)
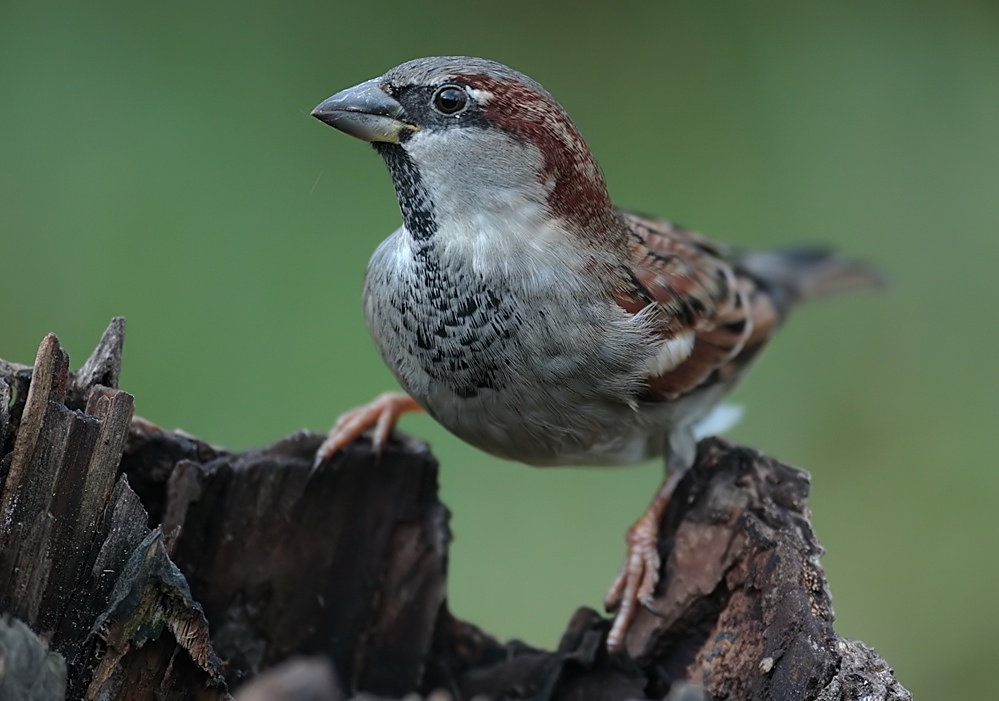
(365, 111)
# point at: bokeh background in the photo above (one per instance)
(158, 161)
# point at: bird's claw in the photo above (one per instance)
(636, 582)
(382, 414)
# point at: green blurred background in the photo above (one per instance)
(159, 162)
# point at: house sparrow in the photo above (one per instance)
(528, 315)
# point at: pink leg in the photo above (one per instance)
(639, 575)
(382, 414)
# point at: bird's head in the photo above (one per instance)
(468, 139)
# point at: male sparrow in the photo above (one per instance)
(532, 318)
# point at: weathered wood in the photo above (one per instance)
(28, 670)
(349, 564)
(350, 561)
(78, 563)
(298, 679)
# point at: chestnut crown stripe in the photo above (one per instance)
(579, 195)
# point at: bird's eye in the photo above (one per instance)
(450, 100)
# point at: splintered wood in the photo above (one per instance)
(78, 562)
(120, 542)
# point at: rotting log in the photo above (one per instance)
(142, 563)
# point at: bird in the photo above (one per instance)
(535, 320)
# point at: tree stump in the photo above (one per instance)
(138, 563)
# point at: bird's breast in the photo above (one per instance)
(521, 364)
(437, 325)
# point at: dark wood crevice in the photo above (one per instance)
(142, 563)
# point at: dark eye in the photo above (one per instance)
(450, 100)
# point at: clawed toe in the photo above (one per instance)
(636, 583)
(382, 414)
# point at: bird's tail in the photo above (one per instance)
(802, 274)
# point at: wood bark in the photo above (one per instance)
(139, 563)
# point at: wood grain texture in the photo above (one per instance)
(79, 564)
(138, 563)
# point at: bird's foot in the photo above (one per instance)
(639, 575)
(382, 413)
(637, 580)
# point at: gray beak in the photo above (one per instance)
(366, 112)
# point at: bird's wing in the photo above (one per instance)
(711, 317)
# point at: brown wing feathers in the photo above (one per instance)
(699, 292)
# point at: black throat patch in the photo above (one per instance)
(450, 321)
(414, 200)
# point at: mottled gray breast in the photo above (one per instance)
(436, 322)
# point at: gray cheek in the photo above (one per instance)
(464, 168)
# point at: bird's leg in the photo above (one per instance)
(639, 575)
(382, 413)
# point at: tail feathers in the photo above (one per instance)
(803, 274)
